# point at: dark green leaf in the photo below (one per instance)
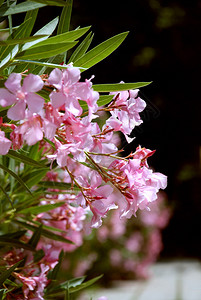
(33, 15)
(52, 2)
(25, 159)
(82, 48)
(101, 51)
(19, 180)
(33, 178)
(1, 2)
(45, 51)
(44, 232)
(15, 243)
(53, 273)
(39, 209)
(35, 237)
(20, 41)
(69, 36)
(38, 255)
(8, 272)
(20, 8)
(64, 22)
(6, 195)
(116, 87)
(55, 185)
(13, 235)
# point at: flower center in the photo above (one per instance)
(20, 95)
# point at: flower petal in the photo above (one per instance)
(6, 98)
(17, 112)
(35, 102)
(57, 99)
(13, 83)
(32, 83)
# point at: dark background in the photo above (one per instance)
(163, 46)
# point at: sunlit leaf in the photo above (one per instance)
(52, 2)
(82, 48)
(20, 41)
(20, 8)
(101, 51)
(116, 87)
(45, 51)
(64, 22)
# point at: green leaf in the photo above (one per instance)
(1, 2)
(116, 87)
(47, 30)
(39, 209)
(20, 8)
(82, 48)
(64, 37)
(55, 185)
(84, 285)
(101, 51)
(19, 180)
(104, 99)
(13, 235)
(8, 272)
(38, 255)
(53, 273)
(44, 232)
(20, 41)
(35, 237)
(33, 15)
(25, 159)
(6, 195)
(45, 51)
(52, 2)
(32, 178)
(64, 22)
(15, 243)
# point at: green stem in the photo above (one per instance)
(10, 20)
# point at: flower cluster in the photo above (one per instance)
(60, 113)
(130, 247)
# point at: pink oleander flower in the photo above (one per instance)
(20, 96)
(5, 143)
(70, 90)
(125, 112)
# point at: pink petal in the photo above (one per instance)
(5, 144)
(55, 78)
(33, 135)
(71, 75)
(17, 112)
(13, 83)
(82, 90)
(32, 83)
(57, 99)
(6, 98)
(35, 102)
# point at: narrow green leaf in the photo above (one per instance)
(53, 273)
(55, 185)
(16, 177)
(20, 8)
(104, 99)
(47, 30)
(84, 284)
(25, 159)
(15, 243)
(38, 255)
(45, 51)
(82, 48)
(101, 51)
(46, 233)
(20, 41)
(35, 237)
(6, 195)
(116, 87)
(13, 235)
(1, 2)
(52, 2)
(33, 15)
(39, 209)
(32, 178)
(64, 23)
(8, 272)
(69, 36)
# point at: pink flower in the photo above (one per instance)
(5, 143)
(21, 95)
(69, 90)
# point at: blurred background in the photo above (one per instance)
(163, 46)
